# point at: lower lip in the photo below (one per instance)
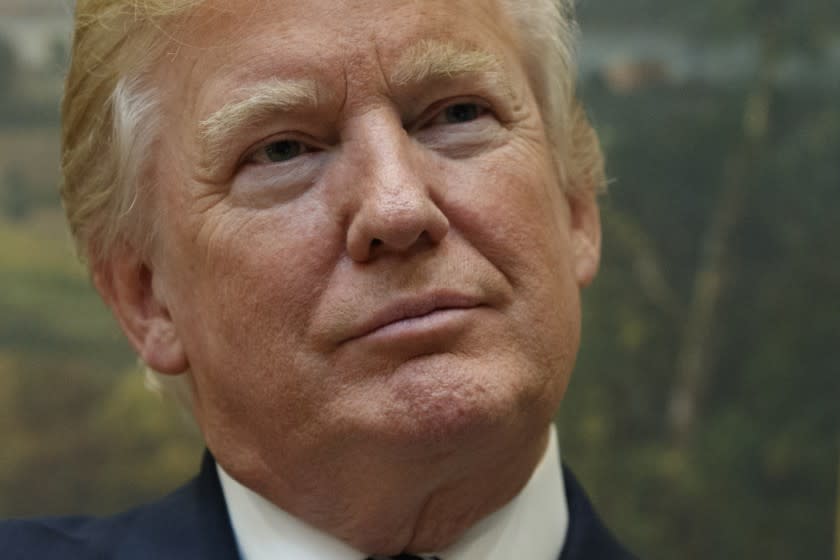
(434, 324)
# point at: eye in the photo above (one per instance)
(459, 113)
(463, 112)
(279, 151)
(459, 128)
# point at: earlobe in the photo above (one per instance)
(586, 236)
(127, 285)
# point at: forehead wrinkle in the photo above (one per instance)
(431, 60)
(254, 103)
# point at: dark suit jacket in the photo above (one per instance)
(192, 523)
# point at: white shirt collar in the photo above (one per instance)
(533, 525)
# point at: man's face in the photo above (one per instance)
(363, 246)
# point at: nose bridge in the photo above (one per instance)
(392, 174)
(396, 210)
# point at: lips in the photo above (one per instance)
(413, 308)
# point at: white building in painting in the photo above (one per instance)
(35, 29)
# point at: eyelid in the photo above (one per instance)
(436, 109)
(305, 140)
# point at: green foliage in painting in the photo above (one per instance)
(702, 415)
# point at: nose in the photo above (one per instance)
(397, 212)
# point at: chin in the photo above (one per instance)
(446, 402)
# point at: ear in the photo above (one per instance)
(586, 235)
(127, 284)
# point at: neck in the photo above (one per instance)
(411, 506)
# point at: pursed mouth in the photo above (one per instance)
(413, 310)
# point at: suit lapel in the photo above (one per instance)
(213, 519)
(192, 522)
(587, 538)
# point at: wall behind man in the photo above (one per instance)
(703, 414)
(79, 432)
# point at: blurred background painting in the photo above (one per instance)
(704, 414)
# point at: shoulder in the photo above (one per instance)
(47, 538)
(191, 522)
(88, 538)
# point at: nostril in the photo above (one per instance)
(375, 243)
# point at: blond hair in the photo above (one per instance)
(110, 122)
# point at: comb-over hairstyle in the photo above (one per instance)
(110, 121)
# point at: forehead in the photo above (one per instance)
(333, 41)
(216, 23)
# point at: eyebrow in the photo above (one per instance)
(431, 60)
(425, 61)
(255, 103)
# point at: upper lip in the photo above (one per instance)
(411, 307)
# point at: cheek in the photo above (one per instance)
(514, 214)
(254, 281)
(255, 278)
(512, 210)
